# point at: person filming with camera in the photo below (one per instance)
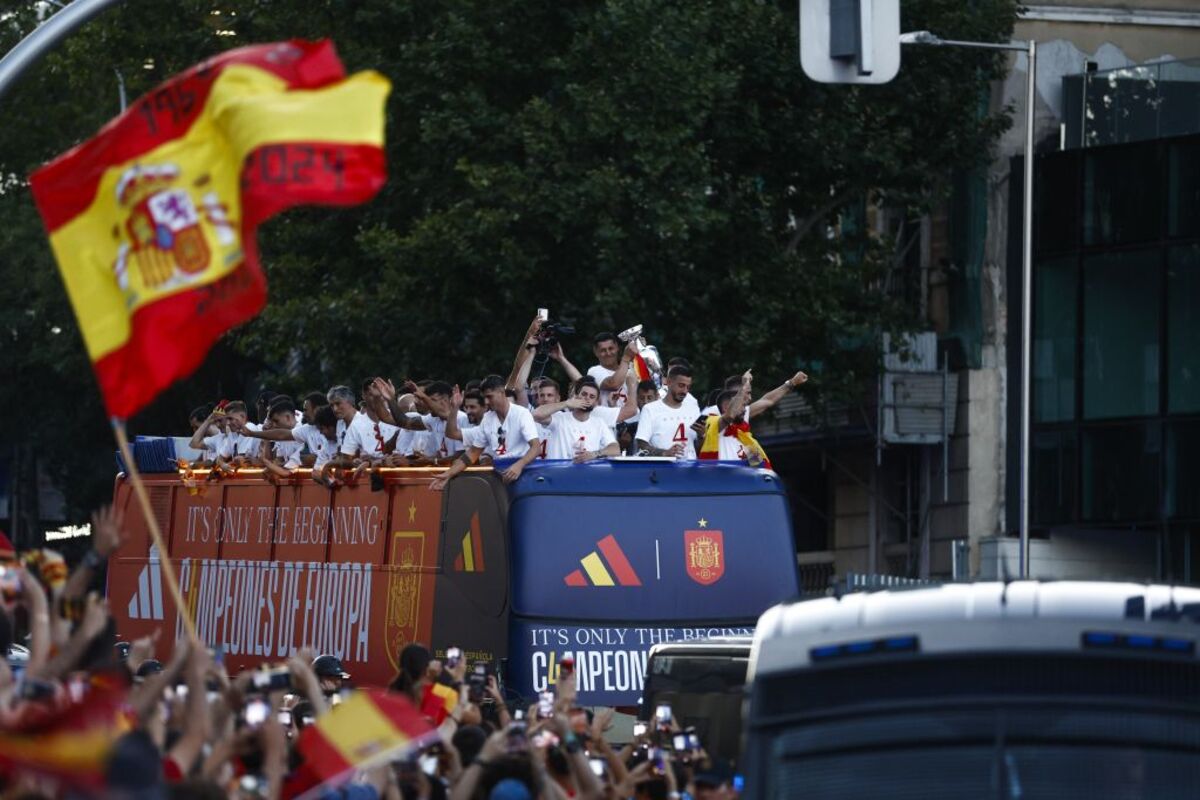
(539, 345)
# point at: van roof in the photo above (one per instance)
(622, 476)
(972, 616)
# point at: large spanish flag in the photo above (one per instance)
(369, 727)
(153, 220)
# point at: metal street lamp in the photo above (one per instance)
(1030, 49)
(45, 36)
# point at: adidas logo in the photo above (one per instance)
(470, 558)
(147, 601)
(598, 574)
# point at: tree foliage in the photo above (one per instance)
(655, 161)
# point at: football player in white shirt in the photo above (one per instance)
(319, 437)
(610, 373)
(437, 422)
(665, 426)
(507, 429)
(201, 422)
(575, 432)
(231, 446)
(280, 457)
(734, 382)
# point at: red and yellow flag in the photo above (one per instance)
(370, 726)
(438, 702)
(710, 448)
(153, 220)
(71, 742)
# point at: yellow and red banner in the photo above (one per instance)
(438, 702)
(68, 741)
(369, 727)
(710, 448)
(153, 220)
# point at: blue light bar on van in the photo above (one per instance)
(1105, 640)
(894, 644)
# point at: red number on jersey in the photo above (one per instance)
(680, 434)
(543, 455)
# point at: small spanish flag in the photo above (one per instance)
(438, 702)
(710, 448)
(369, 727)
(153, 220)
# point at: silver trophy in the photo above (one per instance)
(648, 352)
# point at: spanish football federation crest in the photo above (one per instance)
(704, 554)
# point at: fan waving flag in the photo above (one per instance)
(153, 220)
(369, 727)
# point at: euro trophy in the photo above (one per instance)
(649, 363)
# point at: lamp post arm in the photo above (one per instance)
(44, 38)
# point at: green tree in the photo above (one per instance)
(653, 161)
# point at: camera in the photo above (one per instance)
(453, 656)
(477, 683)
(545, 705)
(548, 335)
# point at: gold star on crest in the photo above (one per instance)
(702, 522)
(412, 511)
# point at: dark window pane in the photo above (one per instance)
(1121, 195)
(1054, 332)
(1053, 470)
(1056, 209)
(1179, 91)
(1183, 329)
(1183, 470)
(1120, 473)
(1121, 299)
(1183, 188)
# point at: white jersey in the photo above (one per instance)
(608, 416)
(507, 438)
(543, 439)
(316, 443)
(435, 444)
(229, 445)
(288, 452)
(613, 398)
(569, 435)
(663, 427)
(366, 438)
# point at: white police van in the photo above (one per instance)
(991, 690)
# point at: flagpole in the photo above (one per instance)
(164, 556)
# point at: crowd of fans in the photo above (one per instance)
(188, 729)
(607, 412)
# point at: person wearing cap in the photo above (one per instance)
(330, 673)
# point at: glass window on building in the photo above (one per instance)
(1121, 312)
(1053, 468)
(1121, 189)
(1183, 329)
(1183, 470)
(1056, 217)
(1120, 472)
(1183, 189)
(1054, 337)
